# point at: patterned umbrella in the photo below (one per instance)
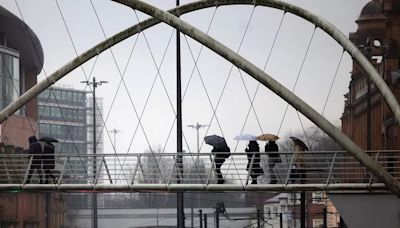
(267, 137)
(299, 143)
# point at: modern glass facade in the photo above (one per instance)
(99, 125)
(9, 76)
(62, 115)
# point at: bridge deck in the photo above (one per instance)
(311, 171)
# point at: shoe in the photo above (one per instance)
(254, 182)
(221, 181)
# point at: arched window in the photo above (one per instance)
(9, 76)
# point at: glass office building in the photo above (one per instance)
(62, 115)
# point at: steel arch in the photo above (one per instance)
(272, 84)
(238, 61)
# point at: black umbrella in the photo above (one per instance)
(215, 140)
(299, 143)
(48, 139)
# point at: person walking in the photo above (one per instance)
(35, 152)
(220, 155)
(298, 171)
(253, 153)
(272, 150)
(48, 160)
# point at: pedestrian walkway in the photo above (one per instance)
(331, 171)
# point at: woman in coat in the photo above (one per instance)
(253, 153)
(271, 149)
(220, 154)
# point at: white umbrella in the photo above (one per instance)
(246, 137)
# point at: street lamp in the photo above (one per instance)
(94, 84)
(197, 127)
(115, 132)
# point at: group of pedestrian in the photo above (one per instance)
(253, 160)
(221, 151)
(42, 159)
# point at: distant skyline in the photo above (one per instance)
(228, 26)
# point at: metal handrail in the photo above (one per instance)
(318, 169)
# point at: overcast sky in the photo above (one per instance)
(226, 24)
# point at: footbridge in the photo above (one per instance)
(354, 169)
(331, 171)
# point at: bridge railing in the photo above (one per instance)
(311, 167)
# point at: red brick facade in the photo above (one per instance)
(378, 36)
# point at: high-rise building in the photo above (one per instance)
(367, 119)
(99, 124)
(62, 115)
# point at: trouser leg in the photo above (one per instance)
(219, 174)
(272, 175)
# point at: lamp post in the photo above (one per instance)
(94, 84)
(180, 206)
(197, 127)
(115, 132)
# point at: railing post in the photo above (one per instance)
(212, 167)
(28, 168)
(62, 170)
(98, 169)
(8, 173)
(250, 168)
(136, 168)
(370, 174)
(108, 171)
(289, 168)
(141, 169)
(328, 179)
(175, 168)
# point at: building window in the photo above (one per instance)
(8, 224)
(9, 76)
(318, 197)
(318, 223)
(31, 224)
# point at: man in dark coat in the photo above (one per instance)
(271, 149)
(48, 160)
(253, 153)
(220, 154)
(35, 150)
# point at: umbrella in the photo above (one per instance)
(247, 137)
(215, 140)
(267, 137)
(298, 142)
(48, 139)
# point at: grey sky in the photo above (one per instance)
(228, 26)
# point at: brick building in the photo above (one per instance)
(21, 60)
(366, 119)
